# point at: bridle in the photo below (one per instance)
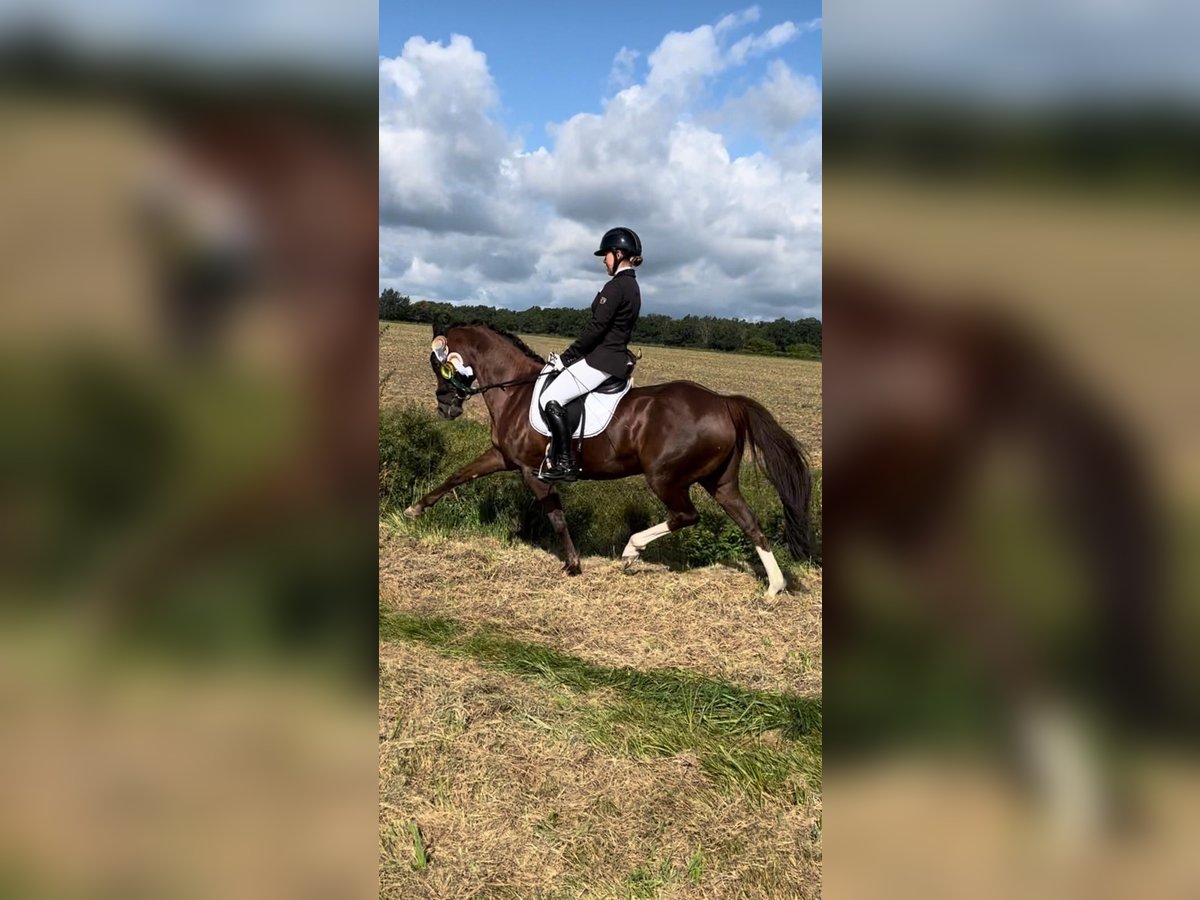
(463, 389)
(459, 375)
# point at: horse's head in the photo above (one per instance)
(454, 376)
(470, 359)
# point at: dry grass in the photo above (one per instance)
(517, 785)
(537, 734)
(789, 388)
(510, 803)
(714, 620)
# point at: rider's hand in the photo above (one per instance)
(556, 362)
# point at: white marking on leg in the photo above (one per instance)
(775, 580)
(638, 542)
(1066, 768)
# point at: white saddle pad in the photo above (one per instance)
(598, 409)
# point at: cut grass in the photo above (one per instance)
(654, 713)
(711, 621)
(517, 802)
(703, 701)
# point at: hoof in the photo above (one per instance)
(773, 591)
(627, 563)
(413, 512)
(573, 568)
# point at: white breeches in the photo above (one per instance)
(577, 380)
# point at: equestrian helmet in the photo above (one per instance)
(620, 239)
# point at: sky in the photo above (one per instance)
(325, 37)
(511, 137)
(1100, 52)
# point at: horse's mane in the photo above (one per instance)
(512, 338)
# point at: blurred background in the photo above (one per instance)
(188, 475)
(187, 454)
(1013, 450)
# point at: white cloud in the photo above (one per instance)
(803, 155)
(440, 152)
(737, 20)
(775, 106)
(622, 67)
(682, 61)
(467, 215)
(758, 44)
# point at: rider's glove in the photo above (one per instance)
(556, 362)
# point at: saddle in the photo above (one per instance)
(587, 415)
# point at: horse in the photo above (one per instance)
(920, 398)
(675, 434)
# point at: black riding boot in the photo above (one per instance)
(562, 463)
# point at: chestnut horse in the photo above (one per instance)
(675, 434)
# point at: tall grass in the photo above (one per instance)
(417, 451)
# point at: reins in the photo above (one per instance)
(471, 391)
(530, 380)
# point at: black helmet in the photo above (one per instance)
(620, 239)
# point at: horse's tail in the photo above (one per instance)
(786, 465)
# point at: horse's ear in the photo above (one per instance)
(438, 327)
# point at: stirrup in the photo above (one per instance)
(555, 474)
(550, 472)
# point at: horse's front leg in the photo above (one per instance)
(486, 463)
(552, 506)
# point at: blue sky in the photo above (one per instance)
(553, 59)
(512, 137)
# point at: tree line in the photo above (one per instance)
(796, 338)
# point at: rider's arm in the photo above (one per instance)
(604, 309)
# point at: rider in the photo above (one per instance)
(602, 350)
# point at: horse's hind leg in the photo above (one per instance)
(682, 514)
(552, 506)
(727, 493)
